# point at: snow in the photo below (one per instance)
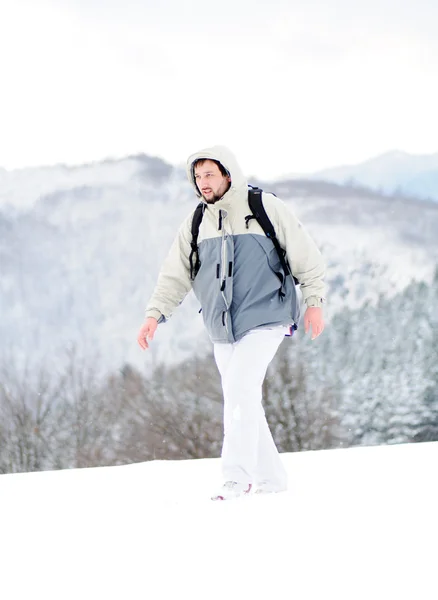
(358, 523)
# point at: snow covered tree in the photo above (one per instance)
(177, 414)
(429, 425)
(301, 410)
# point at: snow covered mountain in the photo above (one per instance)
(80, 251)
(395, 171)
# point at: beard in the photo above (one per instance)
(214, 197)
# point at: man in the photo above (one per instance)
(248, 306)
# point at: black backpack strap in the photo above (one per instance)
(197, 218)
(256, 205)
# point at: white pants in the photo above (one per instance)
(249, 454)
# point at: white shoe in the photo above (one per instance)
(267, 488)
(232, 489)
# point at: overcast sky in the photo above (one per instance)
(291, 86)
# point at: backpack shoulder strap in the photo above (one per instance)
(258, 210)
(196, 221)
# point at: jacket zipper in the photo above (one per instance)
(223, 269)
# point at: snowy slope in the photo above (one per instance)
(414, 175)
(80, 252)
(358, 523)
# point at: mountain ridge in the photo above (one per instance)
(397, 171)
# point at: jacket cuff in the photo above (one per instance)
(155, 314)
(314, 302)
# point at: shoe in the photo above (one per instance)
(232, 489)
(266, 488)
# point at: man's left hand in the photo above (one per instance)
(313, 317)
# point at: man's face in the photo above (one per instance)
(210, 181)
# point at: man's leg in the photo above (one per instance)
(270, 472)
(243, 368)
(223, 354)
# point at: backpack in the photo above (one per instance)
(258, 212)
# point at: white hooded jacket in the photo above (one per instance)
(238, 281)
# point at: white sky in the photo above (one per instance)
(291, 86)
(356, 524)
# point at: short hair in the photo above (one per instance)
(201, 161)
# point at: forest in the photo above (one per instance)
(370, 379)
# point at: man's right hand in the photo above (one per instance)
(147, 330)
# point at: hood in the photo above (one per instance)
(227, 159)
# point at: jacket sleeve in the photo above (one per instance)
(174, 281)
(305, 260)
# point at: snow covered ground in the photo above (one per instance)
(358, 523)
